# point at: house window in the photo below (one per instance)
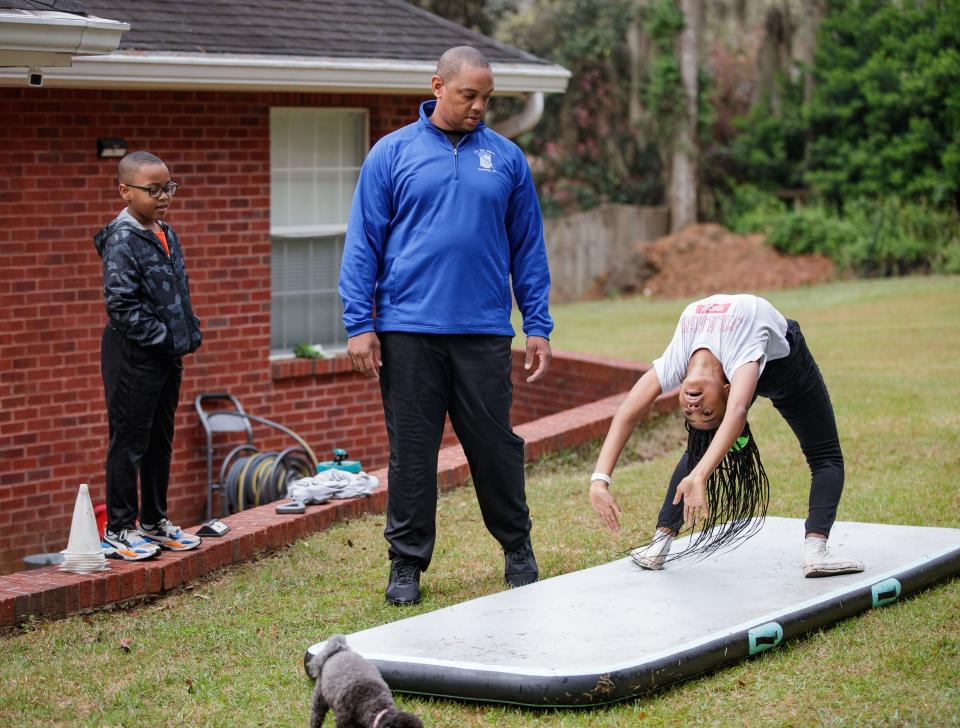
(315, 158)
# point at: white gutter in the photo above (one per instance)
(525, 120)
(240, 72)
(53, 38)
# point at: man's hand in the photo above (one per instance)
(693, 491)
(537, 346)
(605, 505)
(364, 352)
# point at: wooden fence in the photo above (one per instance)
(583, 245)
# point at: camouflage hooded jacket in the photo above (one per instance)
(147, 294)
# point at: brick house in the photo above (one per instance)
(264, 112)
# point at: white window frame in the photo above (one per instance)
(337, 229)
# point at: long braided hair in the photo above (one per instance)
(738, 493)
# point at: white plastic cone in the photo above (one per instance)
(83, 553)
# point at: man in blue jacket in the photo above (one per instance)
(445, 216)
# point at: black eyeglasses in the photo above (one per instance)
(156, 190)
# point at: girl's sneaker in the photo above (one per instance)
(818, 561)
(653, 555)
(128, 545)
(170, 537)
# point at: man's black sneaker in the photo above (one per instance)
(404, 584)
(520, 565)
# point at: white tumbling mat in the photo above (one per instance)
(615, 631)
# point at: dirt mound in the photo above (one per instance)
(705, 259)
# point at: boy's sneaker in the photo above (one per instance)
(170, 537)
(653, 555)
(817, 560)
(128, 545)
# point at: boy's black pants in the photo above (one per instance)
(142, 391)
(797, 391)
(423, 378)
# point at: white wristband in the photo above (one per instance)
(601, 476)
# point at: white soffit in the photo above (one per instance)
(30, 38)
(235, 72)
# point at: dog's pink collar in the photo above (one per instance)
(376, 721)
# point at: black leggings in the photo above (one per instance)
(797, 390)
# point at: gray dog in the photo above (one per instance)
(352, 686)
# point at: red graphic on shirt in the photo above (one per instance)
(710, 324)
(713, 307)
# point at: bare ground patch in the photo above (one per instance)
(708, 258)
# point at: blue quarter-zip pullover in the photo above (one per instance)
(437, 232)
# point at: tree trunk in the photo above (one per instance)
(638, 50)
(812, 11)
(615, 148)
(683, 177)
(775, 55)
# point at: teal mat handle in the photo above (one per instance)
(885, 592)
(764, 637)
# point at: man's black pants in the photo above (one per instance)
(424, 377)
(797, 391)
(142, 391)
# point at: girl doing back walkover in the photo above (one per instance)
(726, 351)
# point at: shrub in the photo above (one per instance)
(871, 237)
(812, 230)
(898, 237)
(748, 209)
(883, 118)
(304, 350)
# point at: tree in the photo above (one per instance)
(812, 12)
(683, 186)
(612, 135)
(884, 115)
(596, 142)
(479, 15)
(629, 125)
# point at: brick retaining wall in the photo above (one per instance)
(49, 593)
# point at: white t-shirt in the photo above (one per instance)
(735, 328)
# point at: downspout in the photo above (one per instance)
(525, 120)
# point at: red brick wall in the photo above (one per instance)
(573, 380)
(55, 194)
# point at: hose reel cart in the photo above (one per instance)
(247, 476)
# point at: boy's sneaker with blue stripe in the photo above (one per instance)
(128, 545)
(170, 537)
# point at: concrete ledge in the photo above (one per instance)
(293, 368)
(49, 593)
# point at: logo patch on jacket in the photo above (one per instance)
(486, 160)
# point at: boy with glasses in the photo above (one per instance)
(151, 327)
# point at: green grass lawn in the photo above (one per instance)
(227, 651)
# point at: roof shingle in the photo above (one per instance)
(60, 6)
(382, 29)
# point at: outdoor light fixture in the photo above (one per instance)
(111, 148)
